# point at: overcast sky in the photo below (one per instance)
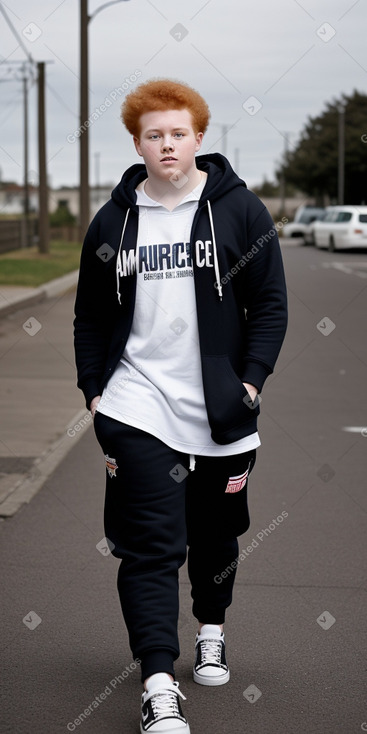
(291, 56)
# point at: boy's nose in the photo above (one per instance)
(167, 145)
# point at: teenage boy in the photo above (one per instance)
(180, 315)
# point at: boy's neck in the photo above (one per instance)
(167, 193)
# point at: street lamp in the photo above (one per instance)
(84, 215)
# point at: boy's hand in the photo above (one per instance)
(93, 405)
(251, 389)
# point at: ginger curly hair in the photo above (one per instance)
(164, 94)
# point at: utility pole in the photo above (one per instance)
(237, 161)
(97, 157)
(84, 214)
(282, 180)
(341, 153)
(225, 129)
(43, 226)
(84, 191)
(43, 185)
(25, 179)
(26, 72)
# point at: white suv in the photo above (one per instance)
(342, 227)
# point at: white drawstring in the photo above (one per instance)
(192, 462)
(216, 264)
(118, 261)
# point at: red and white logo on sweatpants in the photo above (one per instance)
(235, 484)
(111, 465)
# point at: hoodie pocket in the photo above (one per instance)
(228, 403)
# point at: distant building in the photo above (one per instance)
(12, 198)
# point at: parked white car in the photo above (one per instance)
(309, 237)
(342, 227)
(303, 218)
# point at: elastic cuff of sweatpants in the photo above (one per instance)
(157, 661)
(209, 616)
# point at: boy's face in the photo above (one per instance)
(167, 142)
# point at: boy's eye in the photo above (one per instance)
(155, 136)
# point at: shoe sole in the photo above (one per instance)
(211, 680)
(181, 730)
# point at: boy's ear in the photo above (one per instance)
(137, 145)
(199, 140)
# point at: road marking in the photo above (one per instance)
(347, 269)
(355, 429)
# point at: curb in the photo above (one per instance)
(27, 487)
(52, 288)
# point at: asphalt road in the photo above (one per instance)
(296, 631)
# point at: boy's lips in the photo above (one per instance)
(168, 159)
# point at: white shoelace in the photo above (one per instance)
(164, 701)
(211, 651)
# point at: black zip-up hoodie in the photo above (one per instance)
(241, 301)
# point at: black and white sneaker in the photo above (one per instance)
(210, 667)
(161, 711)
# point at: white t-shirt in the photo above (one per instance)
(157, 385)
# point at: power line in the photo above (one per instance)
(16, 34)
(42, 159)
(60, 100)
(6, 116)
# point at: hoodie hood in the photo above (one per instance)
(221, 179)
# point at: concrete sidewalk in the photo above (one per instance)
(14, 297)
(39, 398)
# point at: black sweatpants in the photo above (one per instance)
(155, 507)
